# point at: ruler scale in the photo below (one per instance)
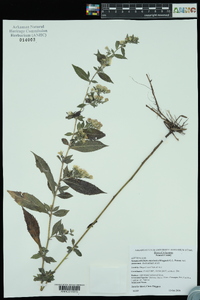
(148, 10)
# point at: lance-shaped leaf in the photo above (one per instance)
(60, 213)
(78, 252)
(81, 73)
(93, 133)
(65, 141)
(36, 256)
(82, 186)
(32, 226)
(28, 201)
(49, 259)
(117, 43)
(61, 238)
(123, 51)
(57, 227)
(67, 159)
(63, 188)
(44, 168)
(82, 105)
(120, 56)
(88, 146)
(104, 77)
(65, 195)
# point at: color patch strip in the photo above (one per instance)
(92, 9)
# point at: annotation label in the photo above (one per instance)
(162, 271)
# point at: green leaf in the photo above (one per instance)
(80, 125)
(123, 51)
(65, 195)
(82, 104)
(69, 249)
(93, 134)
(56, 227)
(66, 172)
(82, 186)
(67, 159)
(44, 168)
(117, 45)
(36, 256)
(61, 238)
(49, 259)
(44, 276)
(68, 133)
(71, 232)
(104, 77)
(88, 146)
(81, 73)
(61, 213)
(42, 271)
(73, 115)
(120, 56)
(77, 252)
(61, 229)
(55, 208)
(65, 141)
(100, 57)
(58, 157)
(47, 207)
(63, 188)
(80, 118)
(28, 201)
(42, 253)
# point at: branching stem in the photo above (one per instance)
(62, 165)
(112, 199)
(60, 176)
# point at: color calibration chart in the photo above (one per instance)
(93, 9)
(142, 10)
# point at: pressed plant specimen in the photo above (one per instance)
(85, 137)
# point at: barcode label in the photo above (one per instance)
(69, 288)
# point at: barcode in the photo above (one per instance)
(69, 287)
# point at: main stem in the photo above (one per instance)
(62, 165)
(60, 178)
(112, 199)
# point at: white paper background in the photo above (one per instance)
(160, 205)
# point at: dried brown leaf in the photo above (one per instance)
(32, 226)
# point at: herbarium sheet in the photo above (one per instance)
(100, 157)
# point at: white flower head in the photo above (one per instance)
(81, 173)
